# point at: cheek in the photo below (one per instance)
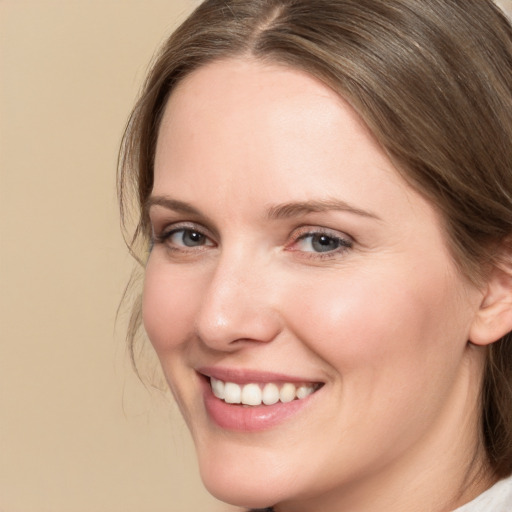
(391, 348)
(358, 323)
(169, 305)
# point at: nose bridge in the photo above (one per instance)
(237, 303)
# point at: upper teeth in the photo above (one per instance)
(257, 394)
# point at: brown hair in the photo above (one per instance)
(433, 81)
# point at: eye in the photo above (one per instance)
(188, 238)
(184, 238)
(321, 242)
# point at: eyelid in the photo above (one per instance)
(167, 227)
(161, 235)
(160, 218)
(319, 230)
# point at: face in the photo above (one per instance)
(294, 270)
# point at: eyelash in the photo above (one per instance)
(343, 243)
(165, 236)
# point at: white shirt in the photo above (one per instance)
(496, 499)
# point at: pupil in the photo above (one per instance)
(324, 243)
(192, 238)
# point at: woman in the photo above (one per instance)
(325, 191)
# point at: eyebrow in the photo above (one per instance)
(294, 209)
(170, 204)
(275, 212)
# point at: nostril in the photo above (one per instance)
(241, 326)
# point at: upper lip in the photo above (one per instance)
(248, 376)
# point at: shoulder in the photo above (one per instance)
(498, 499)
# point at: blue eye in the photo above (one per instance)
(187, 238)
(321, 243)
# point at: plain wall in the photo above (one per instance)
(78, 432)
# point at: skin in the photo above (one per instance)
(383, 323)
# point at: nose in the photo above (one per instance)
(239, 305)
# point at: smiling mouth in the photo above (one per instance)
(257, 394)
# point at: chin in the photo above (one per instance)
(247, 481)
(246, 498)
(241, 490)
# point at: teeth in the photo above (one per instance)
(251, 394)
(232, 393)
(217, 388)
(287, 393)
(304, 391)
(256, 394)
(270, 394)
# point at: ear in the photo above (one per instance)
(494, 318)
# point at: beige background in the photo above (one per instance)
(78, 432)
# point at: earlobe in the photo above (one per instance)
(494, 318)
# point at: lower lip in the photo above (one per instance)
(249, 418)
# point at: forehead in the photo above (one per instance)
(256, 101)
(222, 89)
(265, 133)
(248, 81)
